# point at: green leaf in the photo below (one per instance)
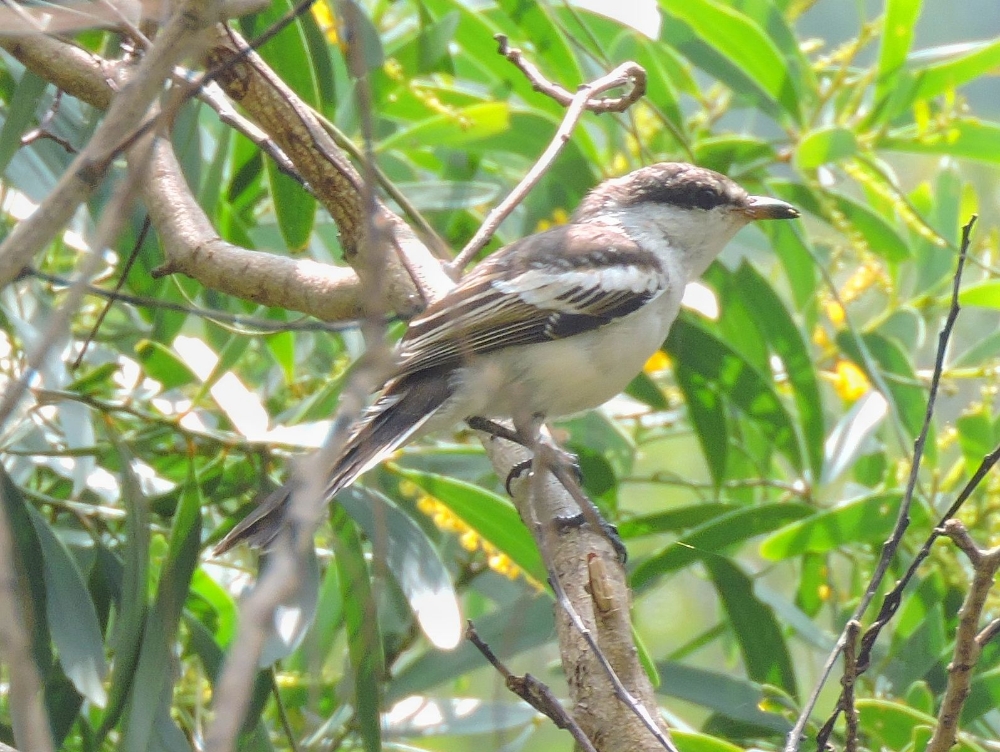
(762, 645)
(907, 394)
(364, 639)
(490, 515)
(716, 536)
(132, 605)
(660, 89)
(556, 54)
(895, 725)
(147, 713)
(866, 520)
(710, 365)
(294, 206)
(287, 53)
(787, 341)
(723, 693)
(19, 114)
(824, 146)
(673, 519)
(454, 129)
(412, 560)
(881, 237)
(897, 37)
(161, 363)
(963, 63)
(744, 50)
(535, 624)
(449, 195)
(964, 139)
(647, 391)
(72, 618)
(731, 154)
(985, 294)
(692, 741)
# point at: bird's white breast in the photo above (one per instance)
(566, 376)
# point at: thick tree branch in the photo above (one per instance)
(334, 180)
(86, 76)
(193, 247)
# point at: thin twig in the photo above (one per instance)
(848, 681)
(580, 102)
(251, 325)
(985, 564)
(891, 602)
(565, 97)
(532, 691)
(136, 247)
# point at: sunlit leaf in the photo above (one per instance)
(715, 537)
(762, 645)
(966, 139)
(460, 128)
(961, 64)
(363, 634)
(743, 50)
(825, 145)
(865, 520)
(412, 561)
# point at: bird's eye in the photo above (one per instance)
(706, 198)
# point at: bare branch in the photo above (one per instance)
(193, 247)
(579, 103)
(532, 691)
(847, 682)
(985, 565)
(637, 78)
(336, 183)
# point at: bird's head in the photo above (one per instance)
(692, 210)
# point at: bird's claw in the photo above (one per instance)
(569, 459)
(610, 532)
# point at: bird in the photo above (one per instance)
(553, 324)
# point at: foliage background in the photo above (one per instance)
(754, 470)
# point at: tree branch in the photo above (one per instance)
(985, 564)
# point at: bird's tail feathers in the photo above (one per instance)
(400, 412)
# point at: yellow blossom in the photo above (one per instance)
(835, 312)
(658, 361)
(323, 14)
(820, 338)
(559, 217)
(849, 381)
(468, 537)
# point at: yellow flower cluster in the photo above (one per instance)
(446, 520)
(559, 217)
(849, 381)
(394, 70)
(323, 14)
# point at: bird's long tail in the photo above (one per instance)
(399, 412)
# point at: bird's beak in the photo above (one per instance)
(762, 207)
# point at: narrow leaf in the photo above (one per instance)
(412, 560)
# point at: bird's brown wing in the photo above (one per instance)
(525, 294)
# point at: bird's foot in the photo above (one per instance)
(567, 459)
(573, 521)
